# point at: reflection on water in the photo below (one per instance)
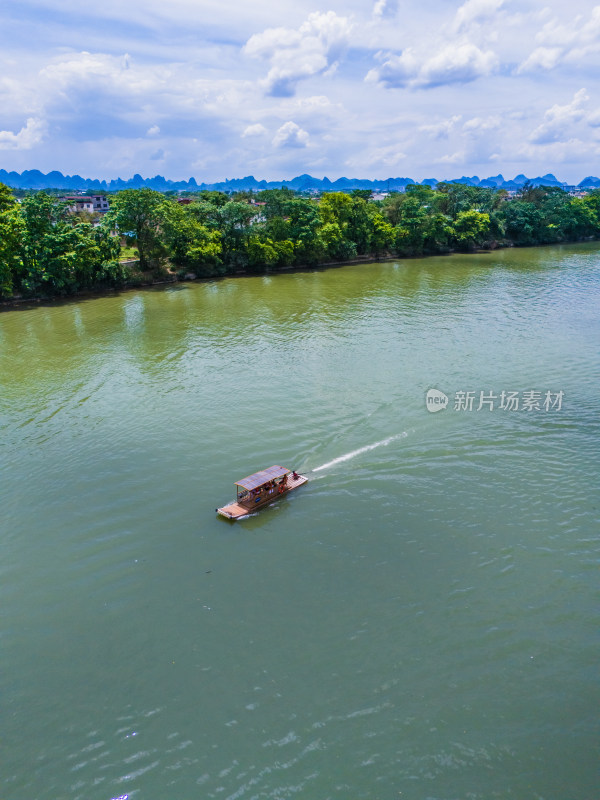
(417, 621)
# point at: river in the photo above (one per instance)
(419, 621)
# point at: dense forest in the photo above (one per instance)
(46, 250)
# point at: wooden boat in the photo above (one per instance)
(260, 489)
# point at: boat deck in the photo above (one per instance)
(237, 509)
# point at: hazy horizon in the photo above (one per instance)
(289, 178)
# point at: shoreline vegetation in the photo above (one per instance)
(147, 238)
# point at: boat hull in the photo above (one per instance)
(237, 510)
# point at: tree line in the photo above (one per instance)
(45, 250)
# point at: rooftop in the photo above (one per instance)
(260, 478)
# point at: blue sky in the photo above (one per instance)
(373, 88)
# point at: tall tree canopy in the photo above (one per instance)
(46, 250)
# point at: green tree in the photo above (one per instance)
(360, 229)
(278, 202)
(59, 253)
(532, 194)
(138, 214)
(337, 213)
(335, 244)
(582, 220)
(452, 198)
(262, 253)
(191, 243)
(391, 207)
(303, 229)
(471, 229)
(363, 194)
(382, 234)
(592, 201)
(235, 225)
(11, 233)
(411, 229)
(438, 233)
(522, 222)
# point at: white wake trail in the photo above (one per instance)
(354, 453)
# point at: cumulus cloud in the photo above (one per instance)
(460, 64)
(456, 63)
(291, 135)
(573, 42)
(541, 58)
(111, 96)
(254, 130)
(475, 11)
(558, 119)
(31, 134)
(295, 55)
(82, 68)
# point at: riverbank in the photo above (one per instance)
(171, 277)
(52, 253)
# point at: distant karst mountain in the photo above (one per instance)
(34, 179)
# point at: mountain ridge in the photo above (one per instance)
(34, 179)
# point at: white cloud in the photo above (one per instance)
(383, 9)
(453, 158)
(125, 94)
(593, 119)
(461, 63)
(541, 58)
(475, 11)
(291, 135)
(254, 130)
(297, 54)
(33, 133)
(573, 41)
(385, 157)
(558, 119)
(482, 124)
(572, 151)
(577, 32)
(441, 130)
(81, 68)
(318, 102)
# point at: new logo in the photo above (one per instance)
(435, 400)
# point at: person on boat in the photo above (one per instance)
(295, 475)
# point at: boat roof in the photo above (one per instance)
(259, 478)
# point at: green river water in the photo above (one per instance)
(420, 621)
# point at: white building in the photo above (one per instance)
(94, 204)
